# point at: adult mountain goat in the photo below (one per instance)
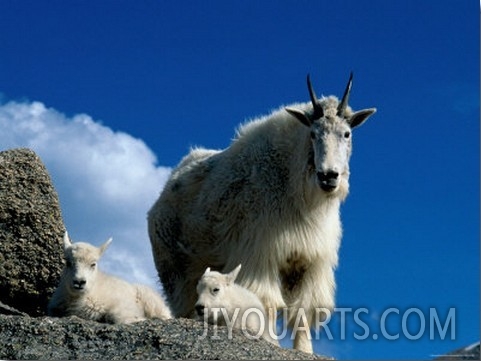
(269, 201)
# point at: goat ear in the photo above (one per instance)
(299, 115)
(66, 241)
(234, 273)
(207, 270)
(360, 117)
(104, 246)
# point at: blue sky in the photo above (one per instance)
(111, 94)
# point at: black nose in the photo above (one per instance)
(199, 309)
(327, 176)
(328, 180)
(79, 284)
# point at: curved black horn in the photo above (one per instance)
(318, 111)
(345, 98)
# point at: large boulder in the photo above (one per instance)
(25, 338)
(31, 229)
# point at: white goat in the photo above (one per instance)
(223, 302)
(87, 292)
(270, 201)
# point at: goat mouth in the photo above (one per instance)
(78, 288)
(328, 186)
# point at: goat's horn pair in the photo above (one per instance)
(345, 98)
(318, 112)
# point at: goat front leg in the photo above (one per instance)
(303, 342)
(301, 331)
(308, 301)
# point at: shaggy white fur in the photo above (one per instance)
(223, 302)
(269, 201)
(87, 292)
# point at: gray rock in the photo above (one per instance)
(471, 352)
(27, 338)
(31, 230)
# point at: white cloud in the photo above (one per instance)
(106, 181)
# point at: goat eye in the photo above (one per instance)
(93, 265)
(347, 134)
(215, 290)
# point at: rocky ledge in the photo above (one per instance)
(28, 338)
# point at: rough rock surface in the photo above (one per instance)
(25, 338)
(471, 352)
(31, 229)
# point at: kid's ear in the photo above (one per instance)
(234, 273)
(66, 241)
(104, 246)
